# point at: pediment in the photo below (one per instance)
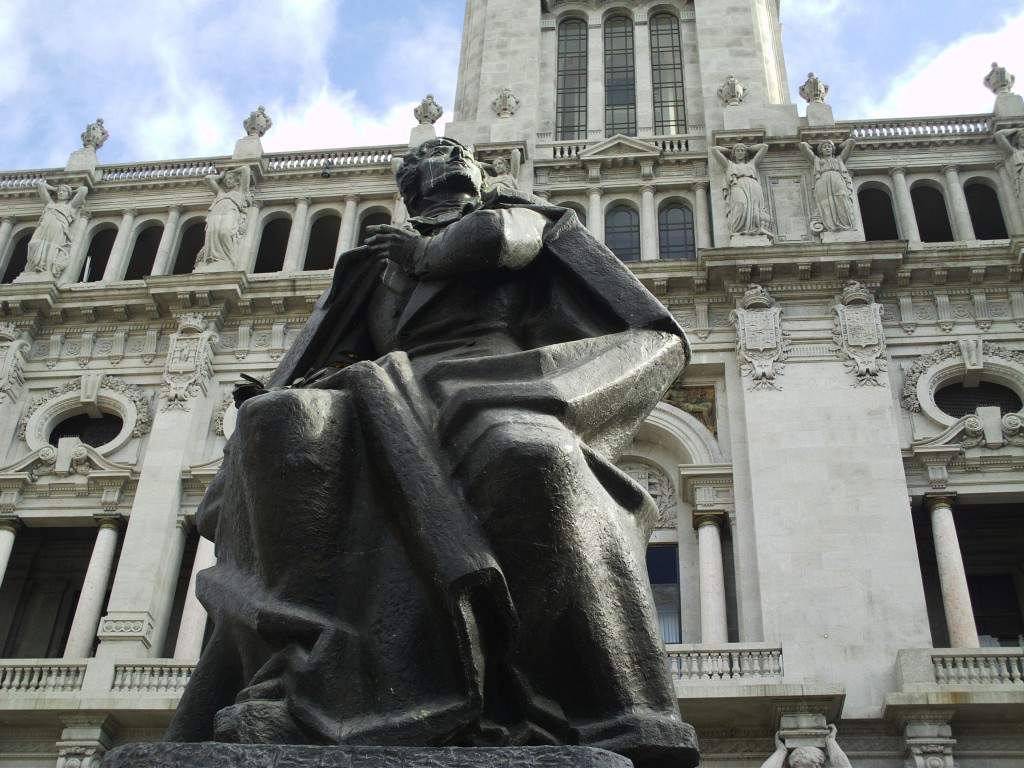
(620, 147)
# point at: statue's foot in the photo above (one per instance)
(257, 722)
(649, 740)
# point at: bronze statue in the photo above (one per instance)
(422, 536)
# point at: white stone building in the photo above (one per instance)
(841, 470)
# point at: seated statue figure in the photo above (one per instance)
(422, 538)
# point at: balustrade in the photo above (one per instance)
(35, 677)
(727, 662)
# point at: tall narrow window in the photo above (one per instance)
(675, 233)
(986, 215)
(667, 75)
(622, 233)
(619, 77)
(571, 111)
(663, 571)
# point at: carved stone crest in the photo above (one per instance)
(760, 340)
(857, 331)
(505, 104)
(660, 486)
(189, 362)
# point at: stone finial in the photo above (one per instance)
(429, 111)
(998, 80)
(756, 297)
(258, 123)
(732, 91)
(505, 104)
(855, 293)
(95, 134)
(813, 91)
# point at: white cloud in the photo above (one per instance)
(948, 82)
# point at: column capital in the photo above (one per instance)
(176, 208)
(11, 523)
(11, 220)
(898, 170)
(306, 201)
(648, 189)
(257, 204)
(715, 517)
(108, 520)
(85, 213)
(353, 198)
(184, 525)
(544, 194)
(595, 192)
(701, 186)
(130, 213)
(947, 169)
(934, 500)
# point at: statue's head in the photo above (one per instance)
(739, 153)
(501, 166)
(233, 180)
(1018, 139)
(807, 757)
(63, 192)
(437, 166)
(827, 148)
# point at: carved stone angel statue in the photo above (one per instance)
(226, 221)
(48, 249)
(808, 757)
(745, 206)
(833, 185)
(1011, 141)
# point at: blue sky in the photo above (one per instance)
(175, 78)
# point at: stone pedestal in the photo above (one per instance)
(819, 115)
(843, 236)
(35, 277)
(216, 755)
(746, 241)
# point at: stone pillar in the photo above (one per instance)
(162, 263)
(904, 205)
(5, 237)
(9, 527)
(94, 589)
(193, 616)
(117, 263)
(76, 251)
(595, 213)
(295, 252)
(963, 226)
(84, 740)
(348, 225)
(714, 625)
(246, 254)
(702, 216)
(648, 225)
(952, 578)
(642, 73)
(595, 79)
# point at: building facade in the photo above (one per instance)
(840, 471)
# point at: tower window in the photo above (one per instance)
(667, 75)
(571, 109)
(619, 77)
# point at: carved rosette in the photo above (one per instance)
(189, 362)
(857, 331)
(13, 354)
(761, 342)
(660, 486)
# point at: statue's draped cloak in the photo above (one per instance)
(436, 547)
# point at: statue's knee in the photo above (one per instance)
(523, 458)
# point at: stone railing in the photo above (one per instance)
(753, 661)
(33, 676)
(919, 128)
(567, 150)
(152, 677)
(23, 179)
(967, 668)
(334, 158)
(169, 169)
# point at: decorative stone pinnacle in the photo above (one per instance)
(505, 104)
(998, 80)
(732, 91)
(258, 122)
(813, 91)
(756, 297)
(95, 134)
(429, 111)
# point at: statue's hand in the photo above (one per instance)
(832, 731)
(395, 243)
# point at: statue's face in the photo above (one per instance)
(827, 149)
(500, 166)
(449, 167)
(739, 153)
(231, 181)
(63, 192)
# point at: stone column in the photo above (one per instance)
(702, 215)
(9, 527)
(5, 237)
(648, 225)
(714, 625)
(162, 263)
(245, 257)
(193, 616)
(595, 78)
(76, 251)
(642, 74)
(952, 578)
(348, 225)
(295, 252)
(116, 263)
(904, 205)
(595, 213)
(94, 589)
(964, 227)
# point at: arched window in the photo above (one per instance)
(622, 233)
(144, 253)
(192, 239)
(877, 214)
(986, 215)
(571, 109)
(667, 75)
(273, 244)
(19, 258)
(675, 233)
(98, 254)
(930, 211)
(619, 77)
(323, 239)
(371, 220)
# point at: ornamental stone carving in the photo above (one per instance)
(95, 135)
(813, 91)
(49, 248)
(660, 486)
(257, 123)
(805, 748)
(1011, 141)
(745, 206)
(429, 111)
(908, 397)
(998, 80)
(13, 354)
(506, 172)
(505, 104)
(189, 362)
(106, 392)
(732, 91)
(833, 186)
(760, 340)
(227, 221)
(857, 331)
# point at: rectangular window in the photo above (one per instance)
(667, 75)
(619, 77)
(663, 571)
(571, 82)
